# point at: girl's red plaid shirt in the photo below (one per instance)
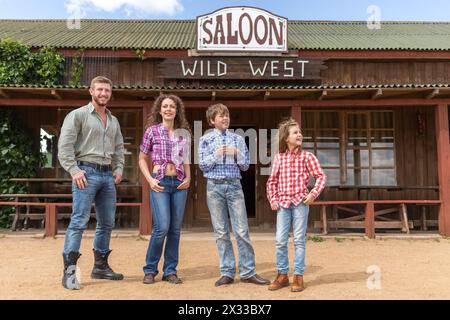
(291, 173)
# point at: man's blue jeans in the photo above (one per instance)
(297, 216)
(167, 213)
(101, 191)
(227, 198)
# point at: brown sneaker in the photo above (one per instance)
(297, 284)
(149, 278)
(281, 281)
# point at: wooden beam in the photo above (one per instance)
(323, 95)
(56, 94)
(443, 154)
(267, 95)
(433, 94)
(377, 94)
(4, 94)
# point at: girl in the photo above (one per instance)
(167, 138)
(288, 194)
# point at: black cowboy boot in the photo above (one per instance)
(69, 280)
(101, 269)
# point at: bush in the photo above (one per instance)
(17, 159)
(19, 65)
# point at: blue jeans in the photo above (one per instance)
(298, 217)
(224, 199)
(167, 212)
(102, 191)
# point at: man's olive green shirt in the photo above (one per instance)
(84, 138)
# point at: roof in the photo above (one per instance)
(180, 34)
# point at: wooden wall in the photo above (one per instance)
(137, 72)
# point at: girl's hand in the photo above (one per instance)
(309, 199)
(185, 184)
(274, 206)
(154, 185)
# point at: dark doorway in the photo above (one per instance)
(248, 178)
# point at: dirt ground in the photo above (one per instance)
(31, 268)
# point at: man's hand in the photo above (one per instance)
(309, 199)
(275, 206)
(117, 178)
(80, 179)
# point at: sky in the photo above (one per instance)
(414, 10)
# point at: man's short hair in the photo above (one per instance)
(214, 110)
(101, 79)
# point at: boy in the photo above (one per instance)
(222, 154)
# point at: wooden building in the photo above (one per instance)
(373, 105)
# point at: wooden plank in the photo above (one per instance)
(361, 224)
(443, 151)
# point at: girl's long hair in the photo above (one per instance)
(155, 117)
(283, 133)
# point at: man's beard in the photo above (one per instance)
(100, 104)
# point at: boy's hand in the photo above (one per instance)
(226, 150)
(309, 199)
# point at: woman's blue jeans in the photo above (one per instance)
(167, 213)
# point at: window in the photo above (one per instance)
(353, 147)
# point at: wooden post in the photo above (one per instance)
(51, 221)
(443, 156)
(370, 220)
(145, 214)
(324, 219)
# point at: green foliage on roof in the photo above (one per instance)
(19, 65)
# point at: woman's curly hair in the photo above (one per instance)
(155, 117)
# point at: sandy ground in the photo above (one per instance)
(410, 269)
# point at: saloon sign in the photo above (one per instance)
(242, 28)
(242, 43)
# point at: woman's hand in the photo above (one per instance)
(185, 184)
(154, 185)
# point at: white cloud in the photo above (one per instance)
(130, 7)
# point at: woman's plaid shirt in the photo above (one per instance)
(291, 173)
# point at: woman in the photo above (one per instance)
(167, 142)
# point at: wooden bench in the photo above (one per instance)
(34, 201)
(365, 218)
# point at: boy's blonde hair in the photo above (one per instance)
(283, 133)
(214, 110)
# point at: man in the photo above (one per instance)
(91, 149)
(223, 155)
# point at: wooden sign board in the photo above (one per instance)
(242, 68)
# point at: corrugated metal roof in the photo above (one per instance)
(180, 34)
